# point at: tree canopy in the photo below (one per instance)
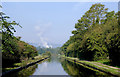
(96, 36)
(13, 49)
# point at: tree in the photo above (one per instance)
(13, 50)
(95, 15)
(96, 36)
(7, 29)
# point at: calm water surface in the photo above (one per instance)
(50, 68)
(55, 66)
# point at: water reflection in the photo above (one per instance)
(25, 72)
(55, 66)
(74, 70)
(50, 67)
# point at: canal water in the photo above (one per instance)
(50, 68)
(57, 66)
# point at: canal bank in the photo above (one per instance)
(24, 65)
(95, 66)
(55, 66)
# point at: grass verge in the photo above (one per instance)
(24, 63)
(109, 69)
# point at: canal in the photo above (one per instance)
(57, 66)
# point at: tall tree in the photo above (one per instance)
(96, 36)
(7, 30)
(95, 15)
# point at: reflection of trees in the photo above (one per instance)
(49, 59)
(54, 58)
(74, 69)
(26, 72)
(70, 68)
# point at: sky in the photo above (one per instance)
(48, 22)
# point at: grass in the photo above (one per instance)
(97, 64)
(23, 63)
(107, 62)
(104, 61)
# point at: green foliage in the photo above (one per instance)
(26, 51)
(42, 50)
(96, 36)
(7, 29)
(13, 50)
(47, 53)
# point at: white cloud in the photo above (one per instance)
(44, 42)
(41, 29)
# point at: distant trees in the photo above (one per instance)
(42, 50)
(96, 36)
(47, 53)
